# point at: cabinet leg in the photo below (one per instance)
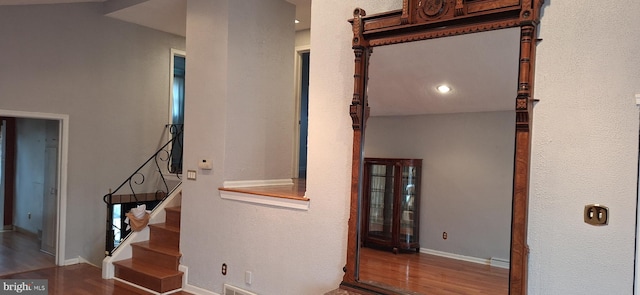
(395, 250)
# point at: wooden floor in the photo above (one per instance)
(20, 252)
(295, 191)
(428, 274)
(21, 258)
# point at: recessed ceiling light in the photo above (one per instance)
(443, 88)
(296, 21)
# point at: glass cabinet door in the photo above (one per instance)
(390, 204)
(408, 222)
(380, 223)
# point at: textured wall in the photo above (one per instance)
(261, 104)
(305, 249)
(110, 77)
(585, 148)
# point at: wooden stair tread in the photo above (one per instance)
(154, 263)
(165, 226)
(148, 269)
(177, 209)
(158, 248)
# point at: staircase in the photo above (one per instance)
(154, 263)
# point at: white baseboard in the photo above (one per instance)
(72, 261)
(77, 260)
(493, 261)
(499, 262)
(190, 288)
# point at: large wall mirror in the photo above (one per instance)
(455, 223)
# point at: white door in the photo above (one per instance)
(49, 214)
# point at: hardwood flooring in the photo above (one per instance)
(21, 258)
(295, 191)
(421, 273)
(79, 279)
(20, 252)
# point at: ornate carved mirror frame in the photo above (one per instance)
(428, 19)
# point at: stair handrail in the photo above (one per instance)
(138, 178)
(176, 129)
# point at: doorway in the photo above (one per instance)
(39, 177)
(302, 110)
(176, 108)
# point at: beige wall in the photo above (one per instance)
(585, 148)
(111, 78)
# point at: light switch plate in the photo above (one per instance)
(191, 174)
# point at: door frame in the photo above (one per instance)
(297, 76)
(63, 153)
(174, 52)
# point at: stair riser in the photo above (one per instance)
(164, 237)
(172, 218)
(149, 282)
(152, 257)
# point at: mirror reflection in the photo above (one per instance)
(438, 169)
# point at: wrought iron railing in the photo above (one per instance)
(147, 185)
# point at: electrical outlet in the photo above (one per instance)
(444, 235)
(224, 269)
(596, 214)
(29, 215)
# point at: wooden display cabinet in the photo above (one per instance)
(391, 202)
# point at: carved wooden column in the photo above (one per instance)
(358, 112)
(524, 115)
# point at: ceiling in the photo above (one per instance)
(30, 2)
(481, 69)
(166, 15)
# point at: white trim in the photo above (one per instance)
(262, 199)
(636, 267)
(79, 260)
(139, 287)
(252, 183)
(191, 288)
(71, 261)
(499, 262)
(266, 200)
(297, 77)
(147, 290)
(495, 262)
(63, 158)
